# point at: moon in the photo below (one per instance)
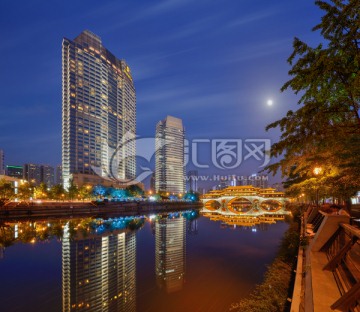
(269, 102)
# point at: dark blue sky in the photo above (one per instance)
(212, 63)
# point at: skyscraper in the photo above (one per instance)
(192, 178)
(58, 178)
(170, 253)
(169, 156)
(47, 175)
(98, 112)
(32, 173)
(258, 180)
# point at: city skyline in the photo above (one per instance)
(242, 116)
(217, 40)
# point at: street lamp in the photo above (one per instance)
(317, 171)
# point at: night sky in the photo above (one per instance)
(213, 63)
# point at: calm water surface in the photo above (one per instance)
(177, 262)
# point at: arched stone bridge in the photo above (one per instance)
(246, 205)
(245, 200)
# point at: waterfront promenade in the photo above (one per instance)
(328, 268)
(90, 209)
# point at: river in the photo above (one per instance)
(187, 261)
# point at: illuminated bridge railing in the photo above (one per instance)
(343, 252)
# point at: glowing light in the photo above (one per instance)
(269, 102)
(317, 170)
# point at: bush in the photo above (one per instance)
(272, 294)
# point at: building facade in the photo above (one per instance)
(47, 175)
(58, 178)
(192, 180)
(169, 156)
(258, 180)
(32, 173)
(15, 171)
(98, 112)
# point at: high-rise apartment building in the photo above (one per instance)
(47, 175)
(99, 272)
(2, 162)
(32, 173)
(58, 177)
(169, 156)
(98, 112)
(170, 253)
(258, 180)
(192, 180)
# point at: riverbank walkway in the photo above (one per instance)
(328, 268)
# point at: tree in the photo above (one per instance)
(85, 192)
(6, 192)
(56, 192)
(25, 191)
(135, 190)
(118, 193)
(191, 196)
(99, 191)
(73, 190)
(41, 191)
(325, 130)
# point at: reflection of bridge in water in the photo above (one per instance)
(241, 221)
(245, 201)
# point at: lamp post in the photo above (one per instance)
(317, 171)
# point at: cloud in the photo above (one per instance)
(250, 18)
(153, 65)
(181, 101)
(190, 29)
(258, 50)
(148, 12)
(29, 110)
(28, 139)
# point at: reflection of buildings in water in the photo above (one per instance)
(99, 273)
(192, 227)
(152, 225)
(170, 252)
(2, 252)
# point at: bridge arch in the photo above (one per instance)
(271, 205)
(240, 205)
(212, 205)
